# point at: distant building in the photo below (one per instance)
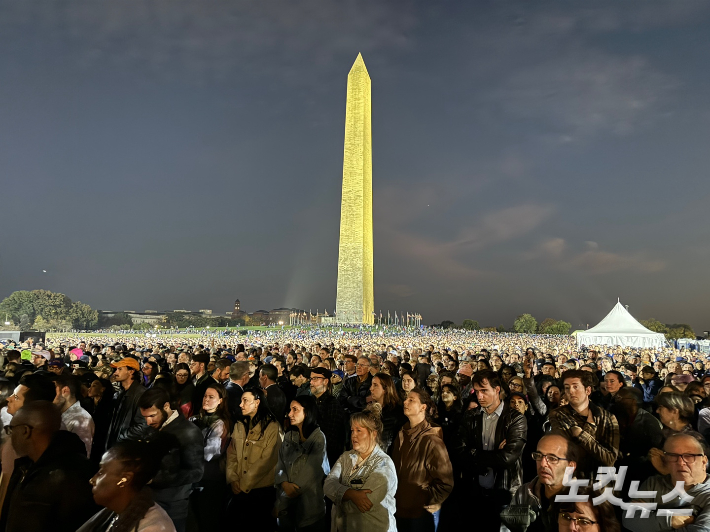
(149, 317)
(238, 312)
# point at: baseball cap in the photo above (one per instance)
(127, 362)
(56, 363)
(322, 371)
(42, 353)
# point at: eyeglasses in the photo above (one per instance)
(182, 374)
(8, 428)
(687, 457)
(551, 458)
(582, 522)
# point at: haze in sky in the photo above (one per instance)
(537, 157)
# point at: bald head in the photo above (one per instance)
(33, 428)
(43, 416)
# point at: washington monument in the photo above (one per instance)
(355, 302)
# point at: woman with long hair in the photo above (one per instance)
(120, 486)
(408, 382)
(185, 388)
(214, 422)
(449, 412)
(302, 466)
(150, 370)
(384, 393)
(363, 481)
(251, 463)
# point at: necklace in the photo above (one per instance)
(113, 522)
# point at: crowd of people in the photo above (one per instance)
(313, 431)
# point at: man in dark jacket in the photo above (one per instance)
(200, 378)
(238, 378)
(488, 451)
(127, 422)
(183, 453)
(275, 397)
(49, 488)
(353, 395)
(332, 419)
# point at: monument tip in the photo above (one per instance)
(359, 63)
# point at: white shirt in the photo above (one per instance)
(79, 421)
(172, 417)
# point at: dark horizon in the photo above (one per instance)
(539, 158)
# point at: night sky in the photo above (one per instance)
(527, 157)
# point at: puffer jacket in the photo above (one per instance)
(507, 463)
(252, 456)
(424, 472)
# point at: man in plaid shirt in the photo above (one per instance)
(594, 429)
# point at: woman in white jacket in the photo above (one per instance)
(363, 481)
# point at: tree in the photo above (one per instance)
(545, 325)
(18, 304)
(60, 325)
(41, 324)
(471, 325)
(51, 305)
(447, 324)
(679, 330)
(25, 307)
(559, 327)
(501, 328)
(83, 316)
(550, 326)
(525, 323)
(655, 325)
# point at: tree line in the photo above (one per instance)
(526, 323)
(45, 311)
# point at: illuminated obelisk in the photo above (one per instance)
(355, 301)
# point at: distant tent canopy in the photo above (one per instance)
(620, 328)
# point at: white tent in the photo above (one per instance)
(620, 328)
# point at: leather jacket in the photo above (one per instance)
(127, 422)
(353, 395)
(472, 460)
